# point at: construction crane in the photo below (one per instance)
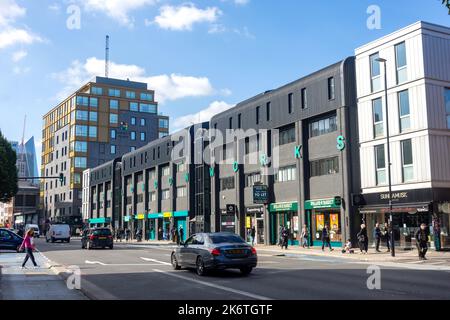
(107, 57)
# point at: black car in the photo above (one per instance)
(207, 251)
(9, 240)
(97, 238)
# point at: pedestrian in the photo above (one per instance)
(127, 234)
(253, 235)
(177, 236)
(387, 236)
(28, 245)
(348, 247)
(422, 241)
(181, 234)
(377, 236)
(305, 237)
(285, 238)
(363, 240)
(280, 235)
(326, 238)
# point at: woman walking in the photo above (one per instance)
(305, 236)
(28, 244)
(363, 240)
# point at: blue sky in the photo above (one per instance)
(201, 56)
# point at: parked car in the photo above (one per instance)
(35, 227)
(97, 238)
(9, 240)
(207, 251)
(58, 232)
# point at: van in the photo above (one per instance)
(58, 232)
(35, 227)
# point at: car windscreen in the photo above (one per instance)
(102, 232)
(216, 239)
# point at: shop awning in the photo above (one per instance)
(397, 208)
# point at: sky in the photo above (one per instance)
(200, 56)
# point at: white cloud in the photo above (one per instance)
(11, 36)
(241, 2)
(10, 11)
(202, 116)
(19, 55)
(183, 17)
(19, 70)
(167, 87)
(54, 7)
(118, 10)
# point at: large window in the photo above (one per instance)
(163, 123)
(152, 196)
(142, 136)
(323, 126)
(324, 167)
(252, 178)
(165, 171)
(142, 122)
(407, 161)
(130, 95)
(147, 108)
(113, 104)
(401, 63)
(82, 101)
(114, 92)
(134, 106)
(93, 116)
(331, 88)
(380, 164)
(113, 118)
(79, 146)
(80, 162)
(96, 90)
(447, 106)
(146, 96)
(93, 102)
(287, 134)
(113, 134)
(378, 122)
(82, 115)
(375, 72)
(133, 135)
(165, 194)
(286, 174)
(181, 192)
(81, 131)
(403, 104)
(93, 132)
(227, 183)
(113, 149)
(133, 121)
(181, 167)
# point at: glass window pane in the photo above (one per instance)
(402, 75)
(448, 122)
(378, 110)
(93, 116)
(381, 177)
(113, 118)
(374, 65)
(134, 106)
(408, 173)
(403, 99)
(407, 152)
(447, 100)
(400, 51)
(380, 157)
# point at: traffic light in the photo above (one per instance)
(61, 178)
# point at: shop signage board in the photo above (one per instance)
(260, 194)
(323, 203)
(283, 206)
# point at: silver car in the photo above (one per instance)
(207, 251)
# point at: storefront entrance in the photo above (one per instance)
(255, 219)
(284, 215)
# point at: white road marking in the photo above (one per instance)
(95, 262)
(154, 260)
(216, 286)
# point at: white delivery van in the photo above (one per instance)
(58, 232)
(35, 228)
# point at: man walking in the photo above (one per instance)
(253, 235)
(422, 241)
(326, 238)
(387, 236)
(377, 236)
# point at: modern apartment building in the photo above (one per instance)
(300, 142)
(160, 186)
(418, 85)
(102, 120)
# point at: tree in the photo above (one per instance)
(8, 170)
(447, 4)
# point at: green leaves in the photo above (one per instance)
(8, 170)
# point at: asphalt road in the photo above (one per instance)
(144, 272)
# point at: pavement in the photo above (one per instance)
(42, 283)
(142, 271)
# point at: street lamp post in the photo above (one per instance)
(384, 61)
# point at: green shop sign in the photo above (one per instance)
(283, 206)
(334, 203)
(99, 220)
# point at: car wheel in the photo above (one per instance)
(246, 270)
(201, 271)
(174, 261)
